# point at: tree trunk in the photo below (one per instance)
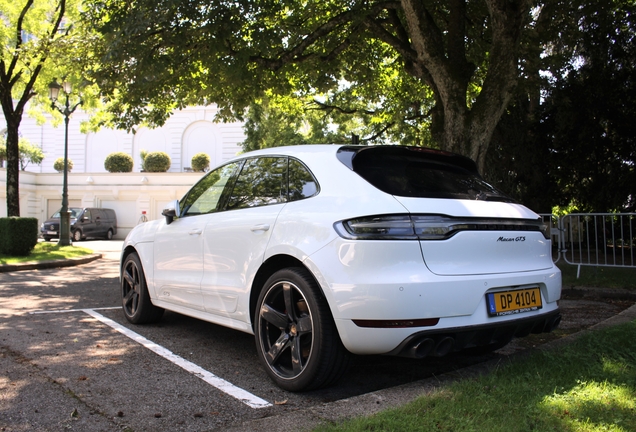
(13, 120)
(442, 63)
(13, 169)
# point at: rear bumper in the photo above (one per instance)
(438, 343)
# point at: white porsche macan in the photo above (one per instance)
(325, 250)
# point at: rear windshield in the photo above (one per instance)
(419, 173)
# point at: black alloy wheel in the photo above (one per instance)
(296, 337)
(136, 303)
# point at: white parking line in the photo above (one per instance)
(71, 310)
(225, 386)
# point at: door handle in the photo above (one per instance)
(196, 231)
(260, 227)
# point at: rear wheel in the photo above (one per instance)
(136, 303)
(296, 337)
(77, 235)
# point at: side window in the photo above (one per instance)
(302, 183)
(205, 196)
(87, 215)
(262, 181)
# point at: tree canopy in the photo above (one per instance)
(578, 146)
(538, 92)
(452, 65)
(37, 43)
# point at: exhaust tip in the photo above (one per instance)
(444, 346)
(421, 348)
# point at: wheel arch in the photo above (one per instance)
(124, 254)
(268, 268)
(144, 252)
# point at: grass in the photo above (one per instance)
(45, 251)
(588, 386)
(605, 277)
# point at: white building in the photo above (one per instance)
(187, 132)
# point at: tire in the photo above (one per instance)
(296, 337)
(46, 238)
(136, 304)
(77, 235)
(109, 234)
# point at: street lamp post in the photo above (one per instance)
(66, 111)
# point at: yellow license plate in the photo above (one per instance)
(512, 302)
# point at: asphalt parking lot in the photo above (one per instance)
(70, 360)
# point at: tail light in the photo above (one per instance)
(398, 227)
(427, 227)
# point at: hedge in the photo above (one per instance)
(18, 235)
(58, 165)
(118, 162)
(157, 162)
(200, 162)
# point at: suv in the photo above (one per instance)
(322, 251)
(85, 222)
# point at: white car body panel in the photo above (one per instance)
(363, 284)
(233, 253)
(178, 262)
(492, 252)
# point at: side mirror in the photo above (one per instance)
(171, 211)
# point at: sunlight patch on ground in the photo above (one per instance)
(595, 406)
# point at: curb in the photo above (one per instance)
(593, 292)
(49, 264)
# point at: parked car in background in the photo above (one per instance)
(326, 250)
(85, 223)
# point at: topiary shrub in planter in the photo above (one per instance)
(157, 162)
(58, 165)
(200, 162)
(118, 162)
(18, 235)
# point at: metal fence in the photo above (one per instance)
(594, 239)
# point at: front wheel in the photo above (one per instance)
(296, 337)
(137, 307)
(77, 235)
(109, 235)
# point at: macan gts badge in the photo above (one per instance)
(511, 239)
(321, 251)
